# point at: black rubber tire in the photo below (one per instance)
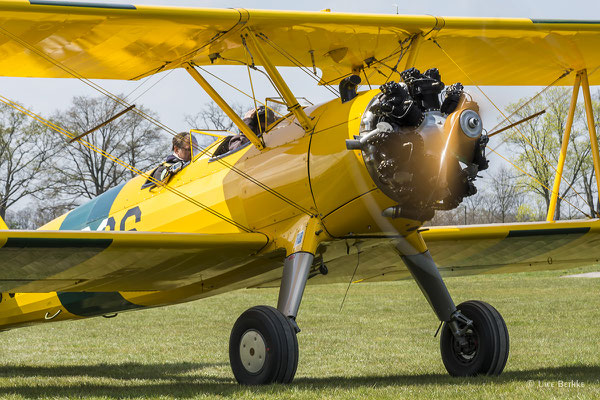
(489, 337)
(281, 357)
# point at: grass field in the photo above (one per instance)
(380, 345)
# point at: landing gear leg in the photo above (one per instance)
(263, 347)
(474, 337)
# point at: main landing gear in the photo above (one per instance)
(263, 347)
(481, 347)
(474, 339)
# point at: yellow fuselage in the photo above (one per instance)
(325, 188)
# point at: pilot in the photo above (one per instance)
(182, 154)
(257, 122)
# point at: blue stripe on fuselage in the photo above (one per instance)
(91, 213)
(90, 304)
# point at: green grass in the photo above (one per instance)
(380, 345)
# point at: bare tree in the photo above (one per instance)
(25, 149)
(36, 214)
(211, 117)
(506, 195)
(537, 145)
(83, 172)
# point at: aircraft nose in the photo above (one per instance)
(420, 153)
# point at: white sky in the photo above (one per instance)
(177, 95)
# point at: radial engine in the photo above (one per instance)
(423, 148)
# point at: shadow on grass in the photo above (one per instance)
(188, 379)
(123, 371)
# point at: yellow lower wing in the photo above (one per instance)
(467, 250)
(48, 261)
(515, 247)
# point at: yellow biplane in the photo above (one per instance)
(324, 187)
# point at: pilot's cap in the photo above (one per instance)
(253, 116)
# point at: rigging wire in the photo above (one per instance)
(120, 162)
(262, 185)
(84, 80)
(535, 179)
(398, 49)
(148, 89)
(554, 82)
(402, 50)
(287, 117)
(517, 129)
(367, 78)
(352, 278)
(298, 64)
(252, 84)
(107, 93)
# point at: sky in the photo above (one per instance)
(175, 95)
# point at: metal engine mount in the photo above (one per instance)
(422, 152)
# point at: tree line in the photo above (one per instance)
(42, 175)
(520, 188)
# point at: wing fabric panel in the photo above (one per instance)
(468, 250)
(132, 42)
(515, 247)
(48, 261)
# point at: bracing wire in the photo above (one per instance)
(149, 88)
(241, 91)
(517, 129)
(297, 63)
(554, 82)
(107, 93)
(352, 278)
(120, 162)
(262, 185)
(538, 181)
(250, 80)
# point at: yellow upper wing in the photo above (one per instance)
(46, 261)
(129, 42)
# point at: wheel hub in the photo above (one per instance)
(466, 353)
(252, 351)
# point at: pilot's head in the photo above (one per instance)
(182, 145)
(259, 118)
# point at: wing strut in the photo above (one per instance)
(286, 93)
(589, 112)
(256, 141)
(581, 79)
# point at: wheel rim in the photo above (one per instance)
(467, 354)
(252, 351)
